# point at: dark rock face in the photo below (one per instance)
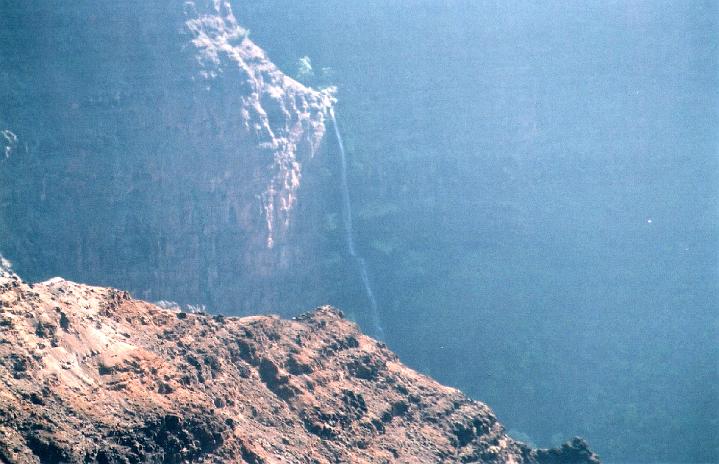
(129, 382)
(152, 146)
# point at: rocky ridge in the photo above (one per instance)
(91, 375)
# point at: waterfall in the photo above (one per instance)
(349, 233)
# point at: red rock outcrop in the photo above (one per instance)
(91, 375)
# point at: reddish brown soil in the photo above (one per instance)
(90, 375)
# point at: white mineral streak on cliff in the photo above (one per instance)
(9, 142)
(286, 117)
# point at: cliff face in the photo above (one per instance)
(153, 147)
(91, 375)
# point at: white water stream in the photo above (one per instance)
(349, 234)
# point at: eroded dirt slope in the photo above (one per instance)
(91, 375)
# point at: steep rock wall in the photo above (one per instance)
(153, 146)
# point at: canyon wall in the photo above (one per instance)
(153, 146)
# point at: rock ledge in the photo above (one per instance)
(91, 375)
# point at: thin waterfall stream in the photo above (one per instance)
(349, 234)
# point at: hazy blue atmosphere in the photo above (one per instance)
(535, 192)
(532, 188)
